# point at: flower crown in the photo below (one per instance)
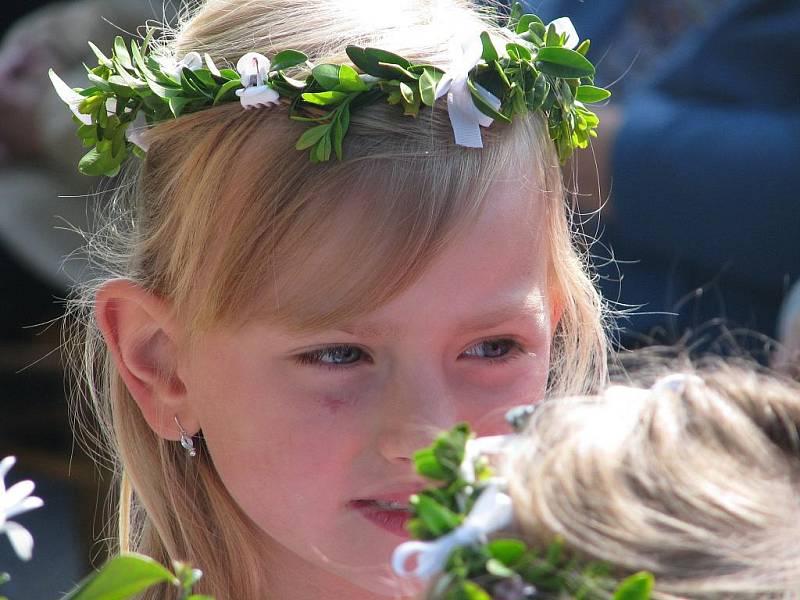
(544, 69)
(452, 523)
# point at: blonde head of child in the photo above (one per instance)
(696, 480)
(310, 324)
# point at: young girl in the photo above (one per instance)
(275, 337)
(694, 479)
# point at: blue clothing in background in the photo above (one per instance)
(706, 167)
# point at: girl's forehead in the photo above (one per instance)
(496, 265)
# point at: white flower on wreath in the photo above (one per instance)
(14, 501)
(191, 61)
(254, 70)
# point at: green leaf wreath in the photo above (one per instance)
(538, 71)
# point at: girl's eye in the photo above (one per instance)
(494, 351)
(332, 357)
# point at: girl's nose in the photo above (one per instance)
(415, 409)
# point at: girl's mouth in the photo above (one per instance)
(391, 515)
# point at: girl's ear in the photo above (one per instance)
(141, 336)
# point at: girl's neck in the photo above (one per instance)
(291, 577)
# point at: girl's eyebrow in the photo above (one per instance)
(526, 308)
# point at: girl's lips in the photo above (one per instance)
(389, 514)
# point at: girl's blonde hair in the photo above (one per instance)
(699, 485)
(224, 208)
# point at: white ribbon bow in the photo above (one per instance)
(491, 512)
(254, 69)
(465, 118)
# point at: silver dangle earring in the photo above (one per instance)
(186, 439)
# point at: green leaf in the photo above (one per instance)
(427, 465)
(399, 72)
(483, 105)
(164, 91)
(525, 21)
(516, 14)
(327, 76)
(230, 74)
(583, 47)
(121, 578)
(340, 126)
(192, 81)
(287, 59)
(437, 518)
(323, 98)
(518, 52)
(468, 590)
(200, 597)
(177, 104)
(225, 90)
(506, 551)
(368, 59)
(428, 82)
(407, 93)
(537, 96)
(311, 136)
(564, 63)
(322, 151)
(589, 94)
(638, 586)
(498, 569)
(349, 81)
(489, 51)
(148, 38)
(101, 58)
(121, 53)
(118, 140)
(552, 38)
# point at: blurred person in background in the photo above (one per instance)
(696, 161)
(38, 151)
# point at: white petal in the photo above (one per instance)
(192, 61)
(564, 25)
(262, 95)
(20, 538)
(253, 64)
(29, 503)
(5, 467)
(16, 494)
(69, 96)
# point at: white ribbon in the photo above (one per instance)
(253, 69)
(465, 118)
(492, 511)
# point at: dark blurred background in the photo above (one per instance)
(42, 201)
(697, 166)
